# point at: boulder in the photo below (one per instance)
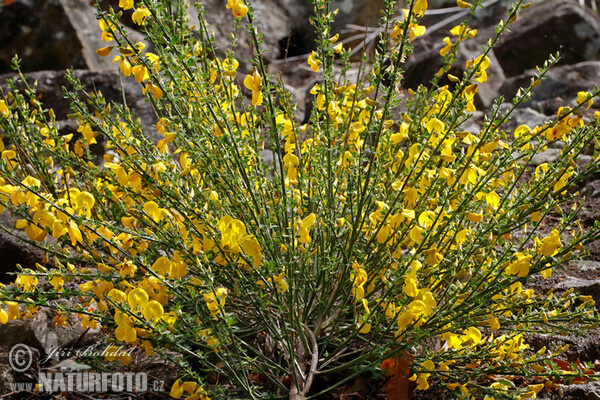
(49, 90)
(561, 82)
(50, 34)
(546, 28)
(423, 65)
(272, 20)
(13, 381)
(15, 251)
(41, 332)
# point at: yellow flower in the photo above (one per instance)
(419, 7)
(313, 62)
(180, 387)
(415, 31)
(3, 109)
(238, 8)
(112, 353)
(581, 99)
(303, 231)
(137, 298)
(140, 73)
(462, 4)
(446, 49)
(13, 310)
(358, 276)
(124, 65)
(471, 336)
(493, 200)
(27, 282)
(549, 245)
(162, 266)
(520, 267)
(215, 301)
(493, 322)
(153, 311)
(155, 90)
(107, 30)
(254, 83)
(474, 217)
(140, 15)
(282, 285)
(126, 4)
(103, 52)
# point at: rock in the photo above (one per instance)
(586, 391)
(587, 266)
(560, 82)
(12, 380)
(423, 65)
(583, 348)
(583, 286)
(40, 332)
(82, 17)
(272, 20)
(522, 116)
(50, 85)
(546, 28)
(50, 34)
(15, 251)
(591, 189)
(474, 123)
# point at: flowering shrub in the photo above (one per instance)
(380, 232)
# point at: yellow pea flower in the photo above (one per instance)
(581, 99)
(27, 282)
(155, 90)
(358, 276)
(126, 4)
(140, 15)
(113, 353)
(313, 62)
(13, 310)
(3, 109)
(254, 83)
(162, 266)
(124, 65)
(446, 49)
(153, 311)
(238, 8)
(103, 52)
(140, 73)
(520, 267)
(549, 245)
(420, 7)
(137, 298)
(305, 225)
(493, 200)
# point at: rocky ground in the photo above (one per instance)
(52, 35)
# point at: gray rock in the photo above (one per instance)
(272, 20)
(591, 189)
(15, 251)
(421, 67)
(40, 332)
(545, 28)
(583, 286)
(586, 391)
(50, 34)
(50, 94)
(563, 82)
(9, 376)
(587, 265)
